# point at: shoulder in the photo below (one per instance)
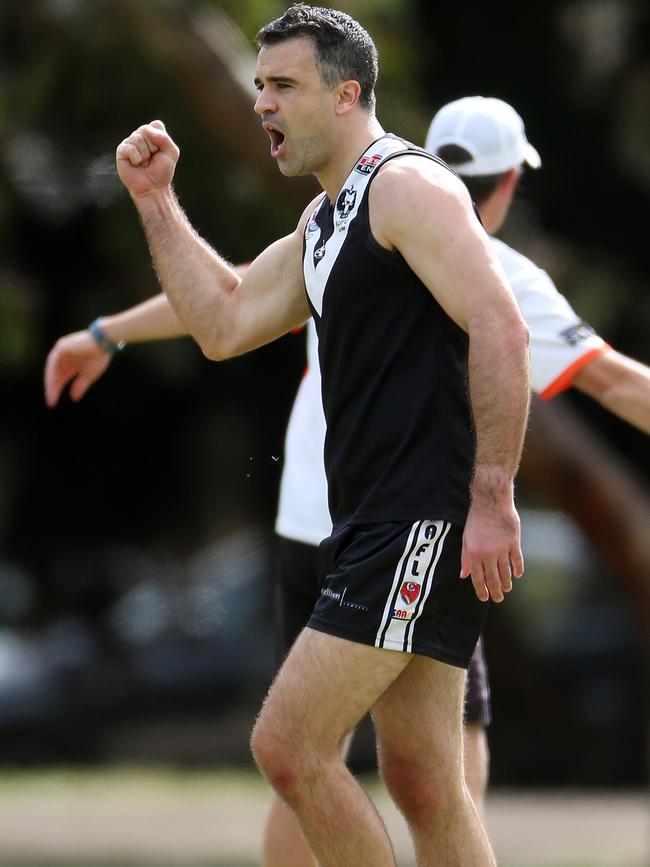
(411, 192)
(405, 175)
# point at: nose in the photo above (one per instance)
(264, 104)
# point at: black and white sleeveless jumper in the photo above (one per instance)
(399, 444)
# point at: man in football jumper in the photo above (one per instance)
(410, 305)
(564, 352)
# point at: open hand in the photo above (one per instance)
(76, 359)
(492, 550)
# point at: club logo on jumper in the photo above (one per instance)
(345, 203)
(577, 333)
(367, 165)
(410, 592)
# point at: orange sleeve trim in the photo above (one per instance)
(564, 380)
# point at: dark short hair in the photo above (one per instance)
(480, 187)
(343, 50)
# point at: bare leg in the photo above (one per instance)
(477, 764)
(323, 689)
(419, 734)
(284, 842)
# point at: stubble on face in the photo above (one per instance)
(296, 111)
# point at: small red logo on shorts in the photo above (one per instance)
(410, 592)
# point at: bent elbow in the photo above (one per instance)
(213, 351)
(223, 347)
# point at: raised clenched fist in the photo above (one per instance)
(146, 159)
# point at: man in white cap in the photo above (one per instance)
(484, 141)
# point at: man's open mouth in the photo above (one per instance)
(277, 139)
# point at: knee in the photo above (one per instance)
(274, 757)
(286, 758)
(419, 790)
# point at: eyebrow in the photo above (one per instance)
(276, 79)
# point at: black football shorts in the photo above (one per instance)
(396, 586)
(296, 590)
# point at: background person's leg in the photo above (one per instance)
(477, 764)
(418, 721)
(477, 716)
(284, 843)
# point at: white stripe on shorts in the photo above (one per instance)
(399, 571)
(413, 578)
(428, 582)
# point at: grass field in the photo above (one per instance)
(228, 862)
(141, 818)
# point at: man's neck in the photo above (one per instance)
(334, 174)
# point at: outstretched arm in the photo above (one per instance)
(78, 359)
(225, 314)
(422, 210)
(620, 384)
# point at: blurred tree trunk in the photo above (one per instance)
(214, 65)
(569, 465)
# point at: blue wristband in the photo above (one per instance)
(97, 334)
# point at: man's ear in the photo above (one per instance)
(347, 95)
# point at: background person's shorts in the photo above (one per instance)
(396, 586)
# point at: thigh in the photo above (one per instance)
(295, 590)
(418, 719)
(324, 688)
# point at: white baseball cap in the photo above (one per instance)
(489, 129)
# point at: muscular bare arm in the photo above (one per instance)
(226, 315)
(620, 384)
(423, 211)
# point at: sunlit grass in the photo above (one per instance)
(229, 862)
(85, 862)
(139, 805)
